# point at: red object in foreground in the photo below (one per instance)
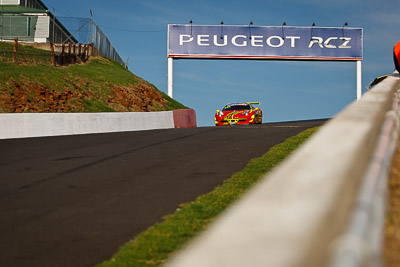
(396, 56)
(239, 113)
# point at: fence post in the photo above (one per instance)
(53, 58)
(62, 54)
(74, 49)
(86, 52)
(80, 52)
(69, 53)
(91, 50)
(15, 50)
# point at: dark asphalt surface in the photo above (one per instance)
(74, 200)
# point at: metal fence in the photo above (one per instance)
(104, 46)
(86, 31)
(78, 27)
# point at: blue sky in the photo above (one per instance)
(287, 90)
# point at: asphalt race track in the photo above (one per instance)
(74, 200)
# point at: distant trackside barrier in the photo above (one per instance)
(185, 118)
(323, 206)
(20, 125)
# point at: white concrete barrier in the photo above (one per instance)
(19, 125)
(294, 215)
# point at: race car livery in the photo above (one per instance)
(239, 113)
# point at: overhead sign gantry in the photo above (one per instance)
(264, 43)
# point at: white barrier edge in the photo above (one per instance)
(293, 217)
(362, 243)
(21, 125)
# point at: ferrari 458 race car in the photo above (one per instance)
(239, 113)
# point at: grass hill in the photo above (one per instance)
(100, 85)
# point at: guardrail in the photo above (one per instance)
(298, 215)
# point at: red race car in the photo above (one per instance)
(239, 113)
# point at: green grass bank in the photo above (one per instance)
(100, 85)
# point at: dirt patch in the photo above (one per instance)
(30, 97)
(392, 227)
(141, 97)
(26, 96)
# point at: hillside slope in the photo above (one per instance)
(100, 85)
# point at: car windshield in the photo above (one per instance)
(237, 107)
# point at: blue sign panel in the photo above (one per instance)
(254, 42)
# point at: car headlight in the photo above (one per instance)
(245, 113)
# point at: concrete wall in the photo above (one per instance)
(52, 124)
